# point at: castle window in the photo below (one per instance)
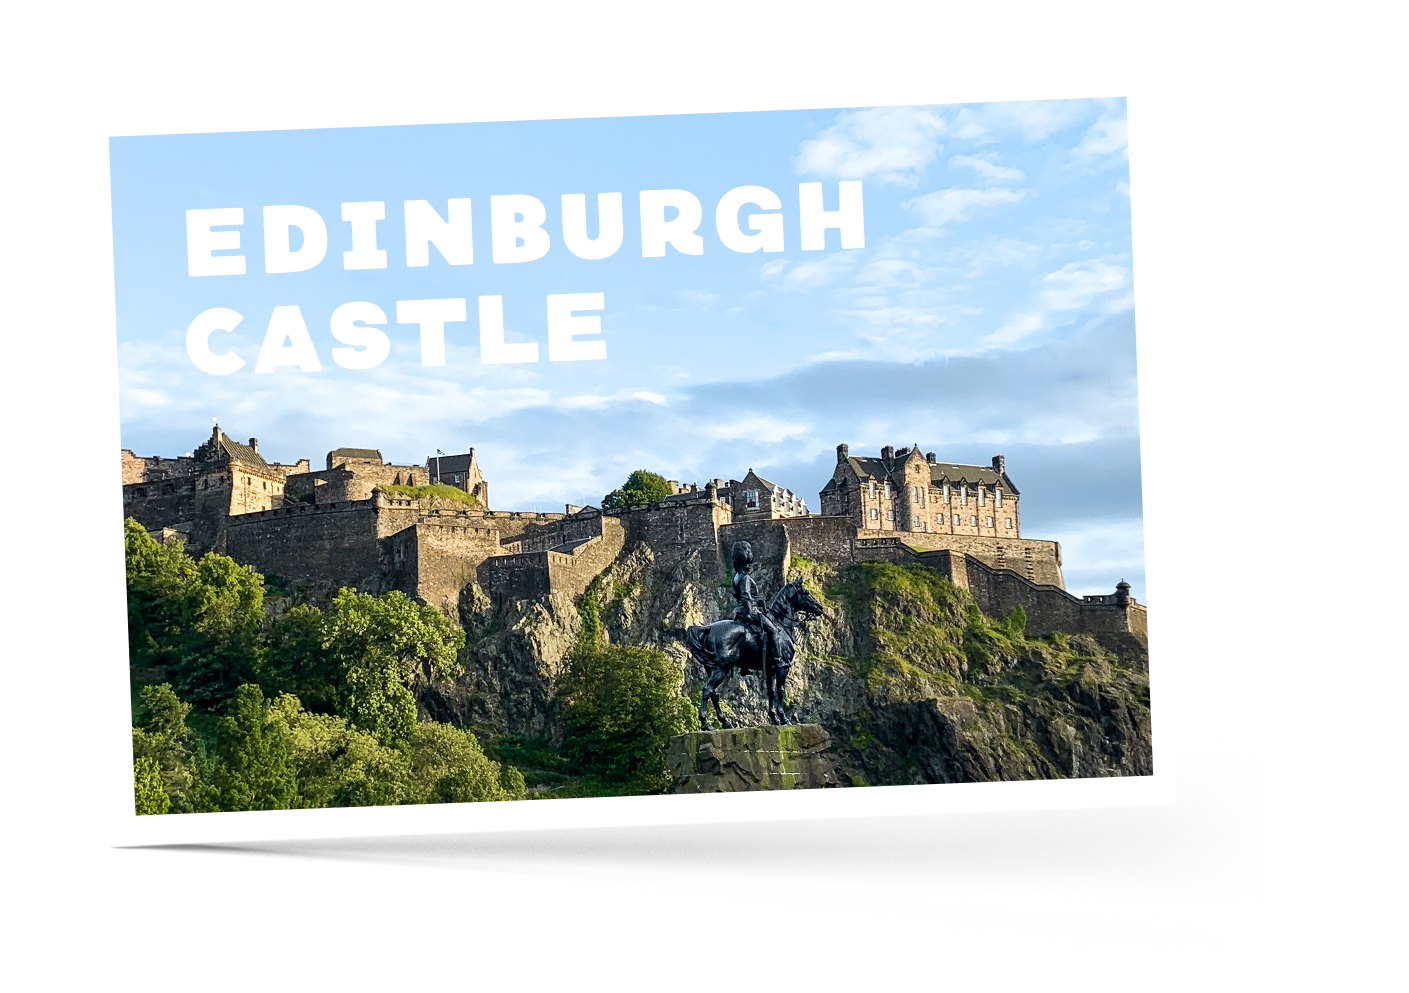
(990, 522)
(890, 515)
(945, 497)
(873, 510)
(998, 496)
(980, 496)
(923, 526)
(963, 496)
(1008, 523)
(956, 520)
(887, 494)
(973, 520)
(873, 491)
(750, 499)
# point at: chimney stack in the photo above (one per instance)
(888, 453)
(998, 465)
(929, 457)
(842, 451)
(254, 445)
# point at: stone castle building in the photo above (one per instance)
(906, 491)
(357, 522)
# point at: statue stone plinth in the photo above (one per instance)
(789, 757)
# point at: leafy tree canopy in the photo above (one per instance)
(640, 487)
(359, 658)
(198, 623)
(620, 707)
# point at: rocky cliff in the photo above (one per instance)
(911, 681)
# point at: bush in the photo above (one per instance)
(620, 706)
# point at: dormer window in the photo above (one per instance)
(887, 491)
(945, 497)
(980, 496)
(998, 496)
(750, 499)
(963, 496)
(873, 491)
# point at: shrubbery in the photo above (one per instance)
(313, 709)
(620, 706)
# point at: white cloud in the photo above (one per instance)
(890, 144)
(766, 429)
(733, 311)
(698, 297)
(1018, 327)
(1101, 141)
(1076, 284)
(988, 169)
(1033, 120)
(956, 204)
(812, 272)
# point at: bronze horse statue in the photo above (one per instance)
(727, 645)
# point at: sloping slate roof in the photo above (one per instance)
(245, 454)
(766, 484)
(356, 453)
(984, 474)
(448, 463)
(939, 472)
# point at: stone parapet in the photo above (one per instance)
(762, 758)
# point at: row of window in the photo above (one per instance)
(956, 520)
(920, 494)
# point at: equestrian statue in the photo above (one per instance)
(757, 639)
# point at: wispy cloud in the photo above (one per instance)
(1032, 120)
(1076, 286)
(957, 204)
(988, 169)
(1104, 143)
(888, 144)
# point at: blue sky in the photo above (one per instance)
(990, 310)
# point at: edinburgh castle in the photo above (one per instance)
(377, 526)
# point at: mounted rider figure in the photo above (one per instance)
(750, 611)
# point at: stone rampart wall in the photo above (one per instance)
(1048, 608)
(539, 537)
(437, 561)
(136, 469)
(532, 574)
(337, 544)
(678, 528)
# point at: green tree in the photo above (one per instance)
(254, 771)
(380, 645)
(163, 737)
(620, 707)
(298, 662)
(450, 767)
(198, 622)
(338, 765)
(640, 487)
(150, 793)
(359, 658)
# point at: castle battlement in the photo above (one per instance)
(350, 525)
